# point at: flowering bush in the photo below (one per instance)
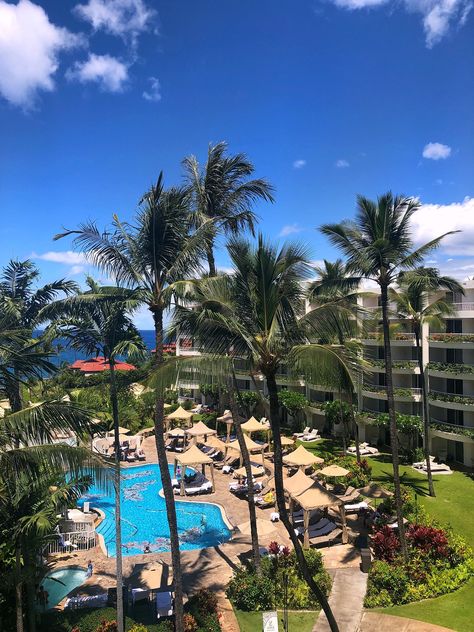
(189, 623)
(249, 591)
(429, 540)
(385, 544)
(107, 626)
(438, 562)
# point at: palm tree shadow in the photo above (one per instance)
(418, 485)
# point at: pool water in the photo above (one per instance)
(144, 520)
(59, 583)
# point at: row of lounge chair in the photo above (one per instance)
(322, 532)
(364, 448)
(439, 468)
(241, 490)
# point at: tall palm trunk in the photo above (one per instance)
(426, 412)
(392, 418)
(248, 469)
(29, 550)
(18, 590)
(211, 262)
(117, 484)
(166, 479)
(356, 428)
(280, 496)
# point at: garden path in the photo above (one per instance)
(346, 600)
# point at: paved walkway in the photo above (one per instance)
(376, 622)
(346, 600)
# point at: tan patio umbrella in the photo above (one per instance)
(252, 447)
(374, 491)
(176, 432)
(297, 484)
(200, 429)
(317, 497)
(334, 470)
(122, 431)
(179, 414)
(301, 457)
(286, 441)
(215, 442)
(166, 406)
(191, 458)
(147, 431)
(253, 425)
(264, 527)
(256, 471)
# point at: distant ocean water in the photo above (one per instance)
(69, 355)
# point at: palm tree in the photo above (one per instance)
(378, 245)
(256, 314)
(222, 191)
(150, 257)
(25, 304)
(97, 322)
(335, 285)
(414, 303)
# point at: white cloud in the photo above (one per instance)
(68, 257)
(110, 73)
(76, 270)
(436, 151)
(433, 220)
(438, 16)
(154, 93)
(124, 18)
(29, 50)
(342, 164)
(299, 164)
(289, 229)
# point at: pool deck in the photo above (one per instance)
(209, 568)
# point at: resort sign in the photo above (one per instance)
(270, 622)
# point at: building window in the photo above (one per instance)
(454, 356)
(453, 326)
(454, 386)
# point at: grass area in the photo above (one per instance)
(301, 621)
(454, 506)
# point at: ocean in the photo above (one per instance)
(68, 355)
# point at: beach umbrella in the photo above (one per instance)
(334, 470)
(256, 471)
(301, 457)
(286, 441)
(374, 491)
(122, 431)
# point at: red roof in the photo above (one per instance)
(96, 365)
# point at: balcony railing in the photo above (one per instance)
(445, 426)
(447, 367)
(454, 398)
(398, 336)
(398, 392)
(396, 364)
(463, 307)
(447, 338)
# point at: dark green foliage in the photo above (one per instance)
(89, 620)
(248, 591)
(203, 607)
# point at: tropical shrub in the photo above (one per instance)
(138, 627)
(107, 626)
(294, 403)
(248, 591)
(438, 562)
(359, 473)
(189, 623)
(203, 607)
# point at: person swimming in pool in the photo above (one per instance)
(147, 549)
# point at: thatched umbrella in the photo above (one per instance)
(301, 458)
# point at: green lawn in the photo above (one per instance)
(453, 505)
(297, 621)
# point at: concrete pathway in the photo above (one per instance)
(376, 621)
(346, 600)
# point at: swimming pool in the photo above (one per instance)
(144, 520)
(59, 583)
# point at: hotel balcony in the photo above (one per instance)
(452, 432)
(451, 370)
(464, 309)
(453, 341)
(399, 394)
(400, 339)
(403, 367)
(451, 401)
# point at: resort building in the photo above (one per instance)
(448, 359)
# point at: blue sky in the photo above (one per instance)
(329, 98)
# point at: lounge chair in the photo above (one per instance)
(141, 456)
(355, 507)
(306, 431)
(140, 594)
(89, 601)
(310, 436)
(322, 540)
(164, 605)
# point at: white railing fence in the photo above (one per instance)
(72, 541)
